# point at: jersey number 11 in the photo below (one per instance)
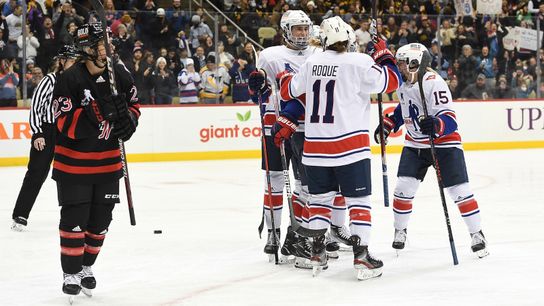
(329, 89)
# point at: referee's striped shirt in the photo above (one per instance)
(42, 107)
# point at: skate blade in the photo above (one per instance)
(287, 259)
(364, 274)
(345, 248)
(333, 255)
(18, 228)
(71, 299)
(271, 257)
(316, 270)
(482, 253)
(87, 292)
(303, 263)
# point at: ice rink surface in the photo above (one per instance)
(209, 252)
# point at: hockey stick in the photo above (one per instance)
(380, 124)
(97, 6)
(425, 62)
(295, 225)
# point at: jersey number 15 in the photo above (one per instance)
(329, 89)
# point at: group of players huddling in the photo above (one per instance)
(324, 92)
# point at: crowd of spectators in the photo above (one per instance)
(171, 52)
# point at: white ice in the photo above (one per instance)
(210, 254)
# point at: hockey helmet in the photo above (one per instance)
(334, 30)
(88, 35)
(416, 56)
(353, 46)
(293, 18)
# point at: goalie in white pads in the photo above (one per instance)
(337, 87)
(416, 155)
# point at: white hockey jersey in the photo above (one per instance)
(337, 88)
(439, 102)
(274, 60)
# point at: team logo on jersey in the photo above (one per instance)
(413, 110)
(105, 130)
(88, 97)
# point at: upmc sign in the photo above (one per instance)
(192, 132)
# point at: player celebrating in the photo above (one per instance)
(43, 138)
(87, 165)
(337, 86)
(416, 155)
(295, 26)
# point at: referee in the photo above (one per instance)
(42, 123)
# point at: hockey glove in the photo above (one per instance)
(432, 126)
(257, 82)
(388, 126)
(125, 126)
(114, 106)
(379, 52)
(284, 127)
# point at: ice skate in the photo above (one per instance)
(272, 244)
(288, 250)
(88, 282)
(303, 253)
(366, 266)
(399, 240)
(479, 244)
(19, 224)
(319, 255)
(341, 234)
(331, 247)
(71, 286)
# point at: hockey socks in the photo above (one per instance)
(274, 202)
(468, 206)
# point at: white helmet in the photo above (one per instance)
(334, 30)
(413, 55)
(293, 18)
(353, 46)
(315, 32)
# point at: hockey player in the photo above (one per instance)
(43, 138)
(295, 26)
(87, 165)
(416, 155)
(337, 87)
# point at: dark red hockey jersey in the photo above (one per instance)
(86, 152)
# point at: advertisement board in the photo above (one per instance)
(223, 132)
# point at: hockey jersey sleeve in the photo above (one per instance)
(126, 85)
(380, 79)
(71, 116)
(440, 103)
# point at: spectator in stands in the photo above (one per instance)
(252, 21)
(443, 66)
(403, 37)
(199, 58)
(63, 18)
(199, 32)
(111, 13)
(226, 59)
(4, 51)
(362, 34)
(425, 33)
(71, 28)
(464, 38)
(172, 58)
(503, 91)
(145, 18)
(487, 68)
(8, 84)
(125, 44)
(468, 64)
(32, 44)
(160, 31)
(215, 82)
(453, 85)
(239, 74)
(14, 22)
(208, 45)
(37, 76)
(48, 38)
(184, 57)
(523, 90)
(247, 54)
(176, 16)
(230, 41)
(164, 82)
(447, 38)
(188, 82)
(477, 91)
(146, 67)
(183, 43)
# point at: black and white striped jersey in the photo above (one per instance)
(41, 110)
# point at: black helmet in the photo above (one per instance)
(68, 51)
(88, 35)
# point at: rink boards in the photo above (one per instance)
(233, 131)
